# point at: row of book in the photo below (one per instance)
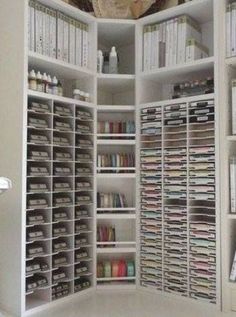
(117, 127)
(172, 42)
(111, 200)
(116, 160)
(54, 34)
(116, 269)
(230, 29)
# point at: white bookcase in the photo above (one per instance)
(114, 98)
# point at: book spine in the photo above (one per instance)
(66, 39)
(232, 185)
(78, 44)
(53, 34)
(85, 46)
(175, 41)
(39, 29)
(228, 30)
(29, 26)
(72, 42)
(233, 107)
(60, 36)
(233, 270)
(233, 30)
(47, 33)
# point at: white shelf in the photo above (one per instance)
(69, 10)
(116, 142)
(168, 75)
(118, 31)
(200, 10)
(179, 100)
(116, 135)
(116, 286)
(115, 83)
(117, 243)
(116, 175)
(116, 216)
(116, 250)
(117, 209)
(112, 279)
(231, 216)
(59, 99)
(231, 137)
(115, 108)
(56, 67)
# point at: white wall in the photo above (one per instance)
(12, 100)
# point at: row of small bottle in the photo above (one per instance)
(44, 83)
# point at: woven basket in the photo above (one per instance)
(120, 9)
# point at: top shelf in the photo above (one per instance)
(57, 67)
(172, 74)
(69, 10)
(200, 10)
(116, 32)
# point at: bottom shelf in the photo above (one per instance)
(116, 285)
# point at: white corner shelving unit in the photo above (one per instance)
(114, 98)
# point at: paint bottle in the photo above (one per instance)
(49, 87)
(60, 89)
(45, 82)
(54, 86)
(39, 79)
(113, 61)
(32, 80)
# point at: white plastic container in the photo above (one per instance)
(113, 61)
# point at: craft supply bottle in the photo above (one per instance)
(59, 89)
(49, 86)
(32, 80)
(54, 86)
(106, 63)
(45, 82)
(99, 62)
(113, 61)
(39, 82)
(82, 96)
(87, 97)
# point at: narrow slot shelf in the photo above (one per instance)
(116, 250)
(119, 285)
(117, 209)
(115, 108)
(116, 175)
(57, 67)
(114, 135)
(112, 279)
(59, 99)
(116, 216)
(172, 74)
(115, 142)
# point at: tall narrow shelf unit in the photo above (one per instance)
(166, 240)
(116, 103)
